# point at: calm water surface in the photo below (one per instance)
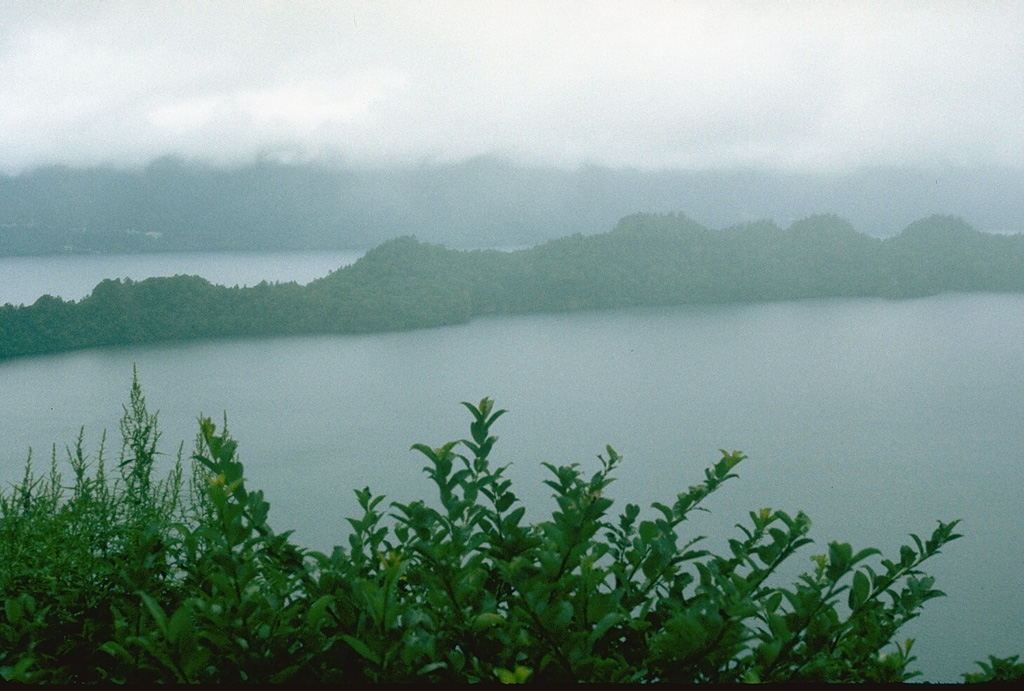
(874, 417)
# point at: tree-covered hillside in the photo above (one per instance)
(645, 260)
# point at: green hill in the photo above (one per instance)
(645, 260)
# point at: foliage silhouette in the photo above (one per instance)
(126, 578)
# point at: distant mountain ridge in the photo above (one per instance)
(171, 205)
(647, 259)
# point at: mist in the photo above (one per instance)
(799, 86)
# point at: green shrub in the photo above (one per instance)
(130, 579)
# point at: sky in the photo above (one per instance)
(801, 86)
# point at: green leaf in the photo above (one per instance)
(361, 648)
(155, 610)
(504, 502)
(665, 511)
(14, 610)
(519, 676)
(772, 603)
(512, 520)
(860, 590)
(777, 625)
(487, 620)
(606, 622)
(907, 556)
(180, 623)
(557, 616)
(117, 650)
(839, 555)
(318, 610)
(431, 667)
(864, 554)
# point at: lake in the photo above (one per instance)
(875, 417)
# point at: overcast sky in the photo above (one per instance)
(797, 85)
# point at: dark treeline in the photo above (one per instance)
(171, 205)
(645, 260)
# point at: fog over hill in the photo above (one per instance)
(172, 205)
(150, 126)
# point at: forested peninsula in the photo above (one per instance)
(646, 260)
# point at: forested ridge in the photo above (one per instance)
(173, 205)
(646, 260)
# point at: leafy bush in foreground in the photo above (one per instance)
(120, 578)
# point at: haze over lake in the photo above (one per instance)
(875, 417)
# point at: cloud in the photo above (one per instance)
(656, 84)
